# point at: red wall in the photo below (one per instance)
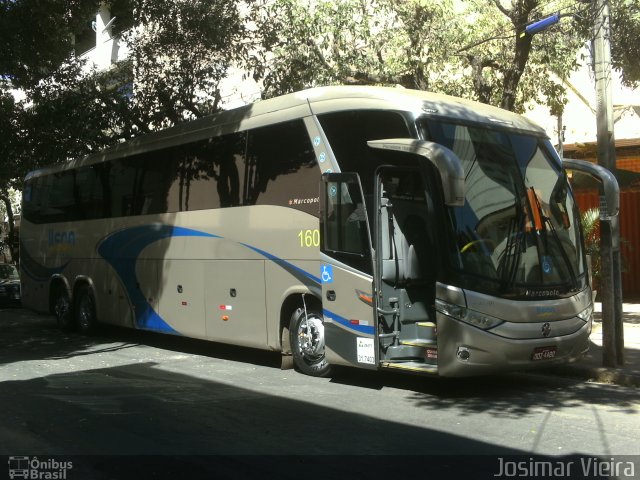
(630, 233)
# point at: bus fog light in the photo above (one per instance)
(463, 353)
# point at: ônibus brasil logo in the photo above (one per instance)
(33, 468)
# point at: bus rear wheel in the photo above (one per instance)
(85, 311)
(62, 310)
(306, 332)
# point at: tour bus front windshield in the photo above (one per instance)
(518, 233)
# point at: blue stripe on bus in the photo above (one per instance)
(283, 263)
(364, 329)
(121, 251)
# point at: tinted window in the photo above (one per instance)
(122, 176)
(88, 193)
(344, 225)
(207, 174)
(348, 134)
(281, 168)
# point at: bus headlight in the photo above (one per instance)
(586, 314)
(477, 319)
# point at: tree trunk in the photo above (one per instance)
(11, 238)
(512, 75)
(519, 18)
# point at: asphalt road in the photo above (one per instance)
(136, 393)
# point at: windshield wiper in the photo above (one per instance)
(510, 256)
(543, 223)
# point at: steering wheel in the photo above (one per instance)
(475, 243)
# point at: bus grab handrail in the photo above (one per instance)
(608, 179)
(445, 160)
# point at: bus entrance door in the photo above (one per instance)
(406, 270)
(346, 273)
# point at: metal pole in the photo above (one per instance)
(617, 290)
(609, 355)
(607, 159)
(609, 232)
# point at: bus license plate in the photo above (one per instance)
(544, 353)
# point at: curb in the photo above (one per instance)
(594, 374)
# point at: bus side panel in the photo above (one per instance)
(234, 302)
(35, 293)
(112, 301)
(180, 294)
(37, 266)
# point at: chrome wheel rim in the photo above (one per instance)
(311, 337)
(62, 308)
(85, 312)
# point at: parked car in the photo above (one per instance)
(9, 283)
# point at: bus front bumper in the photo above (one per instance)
(464, 350)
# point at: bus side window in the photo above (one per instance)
(207, 174)
(345, 228)
(31, 200)
(281, 168)
(348, 133)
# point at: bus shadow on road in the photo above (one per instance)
(509, 395)
(27, 336)
(143, 408)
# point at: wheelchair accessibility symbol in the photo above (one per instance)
(327, 274)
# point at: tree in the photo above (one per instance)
(356, 42)
(625, 48)
(181, 51)
(8, 125)
(71, 114)
(9, 203)
(36, 36)
(476, 49)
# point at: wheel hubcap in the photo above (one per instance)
(84, 316)
(62, 307)
(311, 337)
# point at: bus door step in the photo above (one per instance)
(419, 342)
(426, 330)
(420, 350)
(411, 366)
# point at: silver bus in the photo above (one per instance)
(372, 227)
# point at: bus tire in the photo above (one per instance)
(306, 333)
(62, 310)
(85, 311)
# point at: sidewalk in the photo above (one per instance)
(590, 367)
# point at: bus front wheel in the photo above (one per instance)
(306, 332)
(85, 311)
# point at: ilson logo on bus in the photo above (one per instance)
(61, 238)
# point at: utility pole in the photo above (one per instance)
(560, 148)
(612, 328)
